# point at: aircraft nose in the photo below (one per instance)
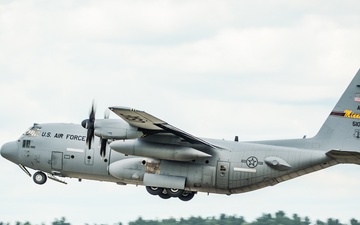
(10, 151)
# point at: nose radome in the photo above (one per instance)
(10, 151)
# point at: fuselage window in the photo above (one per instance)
(223, 168)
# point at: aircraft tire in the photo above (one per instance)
(186, 196)
(164, 194)
(39, 177)
(175, 193)
(154, 190)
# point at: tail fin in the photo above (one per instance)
(341, 130)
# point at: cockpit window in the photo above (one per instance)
(34, 131)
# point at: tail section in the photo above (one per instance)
(341, 130)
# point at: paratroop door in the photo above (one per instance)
(222, 174)
(57, 160)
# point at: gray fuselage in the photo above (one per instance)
(237, 167)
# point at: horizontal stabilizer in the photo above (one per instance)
(344, 156)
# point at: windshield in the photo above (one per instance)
(34, 131)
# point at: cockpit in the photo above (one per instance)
(33, 131)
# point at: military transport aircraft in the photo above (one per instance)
(144, 150)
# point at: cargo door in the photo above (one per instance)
(222, 175)
(57, 161)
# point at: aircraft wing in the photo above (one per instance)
(149, 124)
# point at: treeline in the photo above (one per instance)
(266, 219)
(278, 218)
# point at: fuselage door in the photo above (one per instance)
(222, 175)
(57, 161)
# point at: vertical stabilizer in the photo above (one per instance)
(341, 130)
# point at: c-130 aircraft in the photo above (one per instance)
(141, 149)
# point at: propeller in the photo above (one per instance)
(89, 124)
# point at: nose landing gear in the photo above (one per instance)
(39, 177)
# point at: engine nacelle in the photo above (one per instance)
(158, 151)
(115, 129)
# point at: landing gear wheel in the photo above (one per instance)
(39, 177)
(164, 194)
(173, 192)
(154, 190)
(186, 196)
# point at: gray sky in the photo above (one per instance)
(257, 69)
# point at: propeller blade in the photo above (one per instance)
(89, 137)
(103, 143)
(89, 124)
(92, 112)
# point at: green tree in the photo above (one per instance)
(195, 220)
(282, 219)
(170, 221)
(333, 222)
(307, 221)
(319, 222)
(265, 219)
(62, 221)
(140, 221)
(296, 220)
(354, 222)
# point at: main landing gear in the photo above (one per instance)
(166, 193)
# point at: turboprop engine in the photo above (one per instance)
(158, 151)
(107, 129)
(115, 129)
